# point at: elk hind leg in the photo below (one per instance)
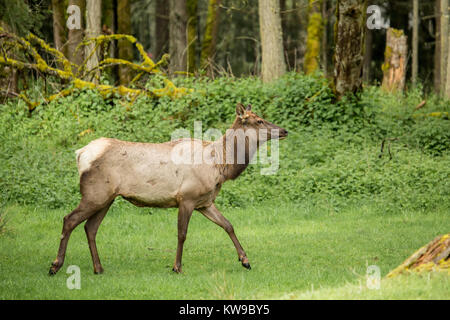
(91, 226)
(70, 222)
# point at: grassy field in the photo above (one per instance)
(303, 251)
(336, 205)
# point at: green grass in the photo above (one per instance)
(292, 249)
(428, 286)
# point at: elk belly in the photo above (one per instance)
(151, 185)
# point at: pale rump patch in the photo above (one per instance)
(89, 153)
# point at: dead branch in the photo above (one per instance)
(73, 80)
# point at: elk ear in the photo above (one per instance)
(249, 107)
(240, 110)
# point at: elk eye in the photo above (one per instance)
(260, 121)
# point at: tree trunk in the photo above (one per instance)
(59, 22)
(324, 50)
(349, 46)
(443, 43)
(273, 64)
(210, 36)
(93, 29)
(434, 256)
(177, 36)
(162, 28)
(415, 42)
(437, 48)
(124, 46)
(447, 86)
(9, 77)
(367, 68)
(314, 38)
(75, 36)
(109, 23)
(395, 60)
(192, 34)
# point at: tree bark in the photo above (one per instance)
(124, 46)
(210, 36)
(192, 34)
(447, 86)
(395, 60)
(437, 48)
(9, 77)
(415, 42)
(59, 33)
(93, 29)
(177, 36)
(349, 46)
(434, 256)
(273, 64)
(367, 68)
(75, 36)
(324, 50)
(314, 37)
(444, 43)
(162, 28)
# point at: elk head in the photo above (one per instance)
(247, 120)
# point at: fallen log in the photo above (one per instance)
(434, 256)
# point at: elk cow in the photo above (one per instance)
(146, 174)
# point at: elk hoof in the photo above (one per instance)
(247, 266)
(245, 262)
(54, 268)
(176, 270)
(100, 271)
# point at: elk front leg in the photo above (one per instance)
(184, 215)
(213, 214)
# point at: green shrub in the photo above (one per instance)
(331, 154)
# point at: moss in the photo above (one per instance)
(435, 248)
(314, 36)
(208, 43)
(75, 80)
(387, 57)
(312, 55)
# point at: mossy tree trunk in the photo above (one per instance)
(437, 48)
(125, 48)
(273, 64)
(192, 34)
(75, 36)
(395, 60)
(444, 18)
(109, 23)
(367, 68)
(177, 36)
(415, 42)
(162, 11)
(447, 82)
(349, 46)
(9, 77)
(59, 32)
(210, 36)
(93, 29)
(324, 49)
(314, 37)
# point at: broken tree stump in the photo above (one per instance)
(435, 256)
(395, 60)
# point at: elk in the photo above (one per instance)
(146, 175)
